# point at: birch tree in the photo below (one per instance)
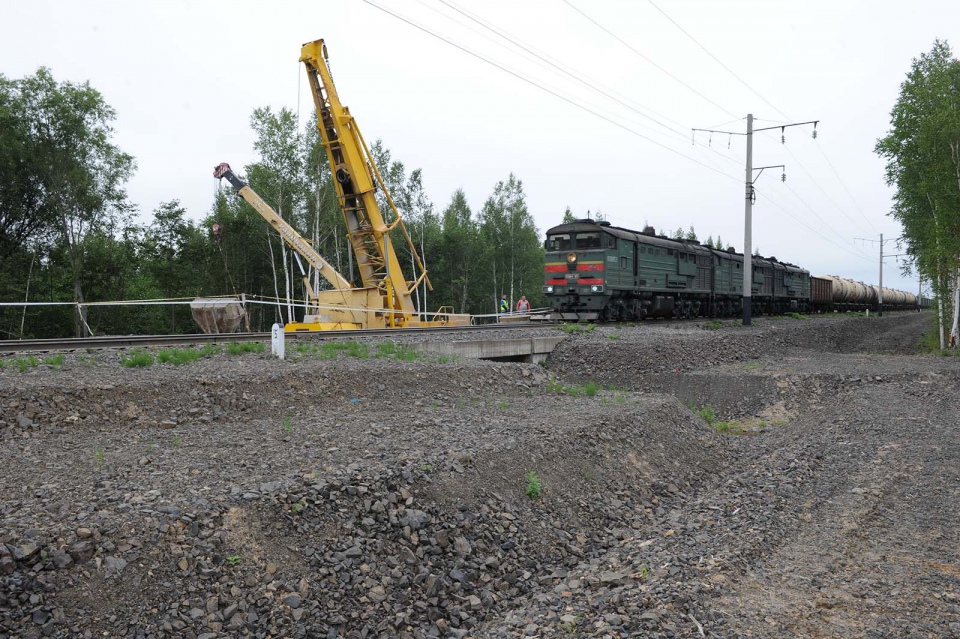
(922, 150)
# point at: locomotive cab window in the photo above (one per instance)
(588, 240)
(559, 243)
(610, 241)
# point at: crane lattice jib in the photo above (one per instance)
(356, 178)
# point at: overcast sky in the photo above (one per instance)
(185, 77)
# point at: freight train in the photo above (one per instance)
(596, 271)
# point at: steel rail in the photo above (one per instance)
(131, 341)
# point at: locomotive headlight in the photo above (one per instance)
(548, 289)
(571, 257)
(594, 289)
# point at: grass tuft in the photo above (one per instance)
(55, 361)
(138, 358)
(181, 356)
(239, 348)
(534, 485)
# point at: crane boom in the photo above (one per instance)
(287, 232)
(342, 307)
(356, 180)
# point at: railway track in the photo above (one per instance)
(132, 341)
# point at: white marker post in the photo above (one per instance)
(278, 339)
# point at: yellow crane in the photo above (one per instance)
(356, 178)
(386, 298)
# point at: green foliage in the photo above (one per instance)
(99, 454)
(713, 325)
(613, 336)
(534, 485)
(590, 389)
(922, 151)
(331, 350)
(239, 348)
(727, 427)
(180, 356)
(23, 363)
(177, 441)
(137, 358)
(512, 258)
(233, 560)
(797, 316)
(56, 361)
(574, 329)
(707, 414)
(298, 507)
(287, 424)
(396, 351)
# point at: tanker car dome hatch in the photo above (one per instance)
(731, 250)
(603, 223)
(586, 220)
(649, 230)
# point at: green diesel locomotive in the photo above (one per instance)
(596, 271)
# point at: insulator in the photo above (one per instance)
(814, 130)
(729, 140)
(783, 177)
(783, 138)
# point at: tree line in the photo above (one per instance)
(70, 234)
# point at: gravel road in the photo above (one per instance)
(340, 496)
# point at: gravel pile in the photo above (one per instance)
(243, 496)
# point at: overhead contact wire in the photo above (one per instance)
(648, 60)
(682, 135)
(772, 106)
(717, 60)
(547, 90)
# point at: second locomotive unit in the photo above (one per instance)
(596, 271)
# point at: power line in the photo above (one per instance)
(817, 215)
(839, 179)
(563, 70)
(657, 66)
(576, 76)
(772, 106)
(822, 190)
(810, 228)
(717, 60)
(543, 88)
